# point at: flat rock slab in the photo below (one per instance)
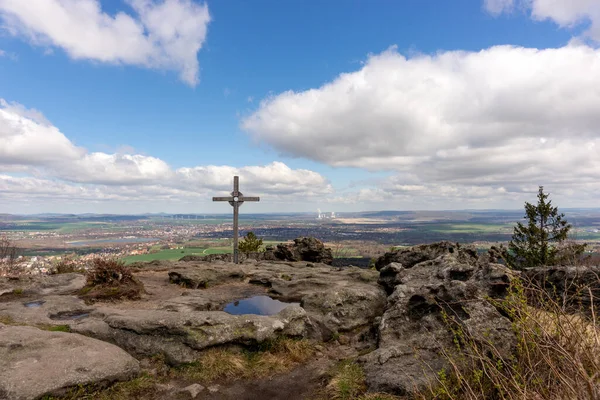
(46, 285)
(45, 310)
(34, 363)
(338, 300)
(181, 336)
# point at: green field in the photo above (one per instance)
(176, 254)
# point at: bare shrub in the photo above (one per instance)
(9, 254)
(110, 279)
(66, 265)
(557, 355)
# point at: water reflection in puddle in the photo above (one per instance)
(34, 304)
(258, 305)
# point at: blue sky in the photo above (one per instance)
(143, 127)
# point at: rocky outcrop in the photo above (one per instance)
(181, 336)
(35, 363)
(412, 256)
(202, 278)
(335, 300)
(577, 287)
(307, 249)
(427, 283)
(304, 249)
(42, 284)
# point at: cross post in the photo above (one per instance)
(236, 200)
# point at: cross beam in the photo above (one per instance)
(236, 200)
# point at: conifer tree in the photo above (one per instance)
(534, 244)
(250, 243)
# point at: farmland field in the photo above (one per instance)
(176, 254)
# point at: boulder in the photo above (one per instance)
(35, 363)
(181, 336)
(304, 249)
(575, 286)
(414, 329)
(425, 252)
(202, 278)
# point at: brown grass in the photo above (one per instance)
(270, 358)
(108, 280)
(347, 382)
(557, 355)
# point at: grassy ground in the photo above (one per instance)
(215, 365)
(176, 254)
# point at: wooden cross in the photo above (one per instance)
(236, 200)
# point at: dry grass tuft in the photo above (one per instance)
(347, 382)
(268, 359)
(557, 355)
(109, 279)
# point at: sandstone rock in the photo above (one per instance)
(202, 278)
(34, 363)
(575, 286)
(59, 284)
(193, 390)
(180, 336)
(412, 331)
(46, 310)
(417, 254)
(304, 249)
(335, 300)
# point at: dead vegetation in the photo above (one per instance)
(67, 265)
(9, 254)
(557, 355)
(268, 359)
(109, 280)
(215, 365)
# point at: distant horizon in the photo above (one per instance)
(296, 212)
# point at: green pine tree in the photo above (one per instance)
(534, 244)
(250, 243)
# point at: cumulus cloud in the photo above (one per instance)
(27, 138)
(565, 13)
(502, 117)
(37, 161)
(497, 7)
(163, 34)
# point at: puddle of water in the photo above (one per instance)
(34, 304)
(70, 315)
(257, 305)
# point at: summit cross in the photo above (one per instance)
(236, 200)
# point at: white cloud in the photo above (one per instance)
(275, 178)
(503, 117)
(565, 13)
(163, 34)
(39, 163)
(497, 7)
(28, 139)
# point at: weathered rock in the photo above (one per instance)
(193, 390)
(413, 330)
(43, 284)
(425, 252)
(46, 310)
(34, 363)
(180, 336)
(336, 300)
(304, 249)
(574, 286)
(205, 277)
